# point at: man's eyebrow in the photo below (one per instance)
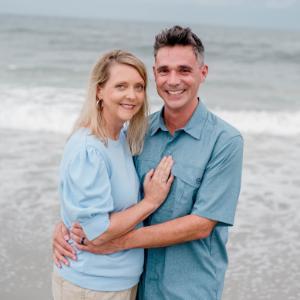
(185, 67)
(163, 67)
(180, 67)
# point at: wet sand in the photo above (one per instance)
(264, 243)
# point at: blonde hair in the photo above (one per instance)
(91, 116)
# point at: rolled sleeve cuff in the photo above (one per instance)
(95, 226)
(223, 220)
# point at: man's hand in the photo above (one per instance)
(77, 235)
(61, 249)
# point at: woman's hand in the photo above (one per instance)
(158, 182)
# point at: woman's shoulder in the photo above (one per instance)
(83, 144)
(86, 139)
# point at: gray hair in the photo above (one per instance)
(178, 35)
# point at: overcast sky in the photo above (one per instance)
(282, 14)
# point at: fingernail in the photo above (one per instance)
(66, 237)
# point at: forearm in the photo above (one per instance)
(125, 221)
(176, 231)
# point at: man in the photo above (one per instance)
(185, 238)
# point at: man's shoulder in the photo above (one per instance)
(153, 120)
(153, 117)
(221, 128)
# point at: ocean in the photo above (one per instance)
(253, 83)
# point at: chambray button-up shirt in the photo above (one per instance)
(208, 162)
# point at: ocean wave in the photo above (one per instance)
(55, 110)
(55, 119)
(278, 123)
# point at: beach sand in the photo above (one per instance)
(29, 208)
(263, 246)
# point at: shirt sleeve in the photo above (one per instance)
(86, 192)
(218, 194)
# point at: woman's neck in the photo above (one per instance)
(112, 128)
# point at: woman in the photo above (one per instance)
(99, 187)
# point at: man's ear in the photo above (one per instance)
(154, 71)
(203, 72)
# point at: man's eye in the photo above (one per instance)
(185, 71)
(163, 72)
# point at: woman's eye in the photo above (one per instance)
(120, 86)
(139, 88)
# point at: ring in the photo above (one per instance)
(164, 180)
(82, 241)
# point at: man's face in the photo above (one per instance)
(178, 74)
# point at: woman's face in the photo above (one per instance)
(123, 94)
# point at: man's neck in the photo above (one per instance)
(176, 119)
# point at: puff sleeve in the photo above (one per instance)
(86, 192)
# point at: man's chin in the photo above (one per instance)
(174, 104)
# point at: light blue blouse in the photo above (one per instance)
(96, 180)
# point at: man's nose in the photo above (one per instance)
(173, 78)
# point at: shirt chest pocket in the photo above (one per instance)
(183, 192)
(187, 184)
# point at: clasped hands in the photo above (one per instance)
(62, 250)
(78, 235)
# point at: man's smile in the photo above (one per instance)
(175, 92)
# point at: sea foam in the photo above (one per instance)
(55, 110)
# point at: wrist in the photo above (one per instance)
(149, 203)
(126, 241)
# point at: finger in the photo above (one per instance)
(164, 162)
(77, 225)
(170, 181)
(63, 244)
(162, 174)
(157, 171)
(60, 258)
(76, 238)
(78, 231)
(87, 246)
(161, 163)
(64, 231)
(65, 252)
(168, 163)
(148, 176)
(57, 263)
(164, 165)
(82, 247)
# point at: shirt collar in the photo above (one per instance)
(193, 127)
(158, 122)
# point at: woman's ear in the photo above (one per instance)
(99, 92)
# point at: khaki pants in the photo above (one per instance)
(65, 290)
